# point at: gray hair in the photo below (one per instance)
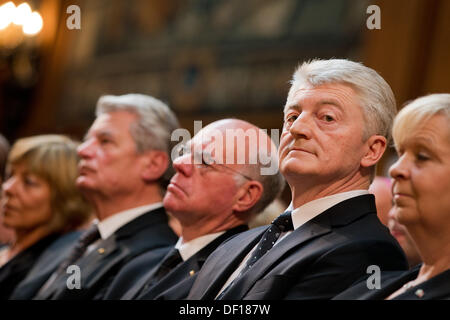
(4, 149)
(152, 130)
(376, 96)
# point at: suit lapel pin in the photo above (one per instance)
(191, 273)
(101, 250)
(419, 293)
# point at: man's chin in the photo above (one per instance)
(84, 184)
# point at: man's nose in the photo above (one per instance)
(184, 165)
(301, 127)
(86, 149)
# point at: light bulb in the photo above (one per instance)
(7, 12)
(33, 25)
(22, 14)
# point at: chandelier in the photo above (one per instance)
(17, 24)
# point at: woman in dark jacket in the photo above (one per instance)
(40, 202)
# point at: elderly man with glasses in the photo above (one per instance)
(222, 181)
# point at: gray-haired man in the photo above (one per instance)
(123, 172)
(337, 121)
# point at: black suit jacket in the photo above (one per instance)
(175, 285)
(148, 232)
(318, 260)
(47, 263)
(436, 288)
(16, 269)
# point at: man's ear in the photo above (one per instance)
(155, 164)
(376, 145)
(248, 195)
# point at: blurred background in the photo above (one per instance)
(208, 59)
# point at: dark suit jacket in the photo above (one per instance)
(47, 263)
(436, 288)
(318, 260)
(148, 232)
(174, 286)
(16, 269)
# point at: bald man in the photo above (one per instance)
(223, 180)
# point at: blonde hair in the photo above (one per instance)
(416, 113)
(54, 158)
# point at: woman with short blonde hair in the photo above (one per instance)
(40, 202)
(421, 191)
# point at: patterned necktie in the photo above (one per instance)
(171, 260)
(281, 224)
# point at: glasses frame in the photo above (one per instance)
(204, 165)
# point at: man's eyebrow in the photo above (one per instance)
(290, 106)
(331, 102)
(102, 133)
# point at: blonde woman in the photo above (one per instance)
(40, 202)
(421, 189)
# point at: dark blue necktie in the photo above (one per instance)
(281, 224)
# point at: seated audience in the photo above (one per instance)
(123, 172)
(213, 200)
(421, 191)
(337, 120)
(40, 202)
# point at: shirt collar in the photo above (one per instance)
(111, 224)
(188, 249)
(311, 209)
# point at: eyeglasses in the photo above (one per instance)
(207, 161)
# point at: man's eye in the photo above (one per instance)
(328, 118)
(289, 121)
(291, 118)
(422, 157)
(104, 141)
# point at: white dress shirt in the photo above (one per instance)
(300, 216)
(188, 249)
(113, 223)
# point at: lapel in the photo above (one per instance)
(188, 268)
(112, 251)
(144, 221)
(340, 214)
(225, 261)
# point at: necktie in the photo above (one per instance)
(87, 238)
(281, 224)
(170, 261)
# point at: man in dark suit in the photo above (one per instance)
(213, 199)
(337, 120)
(123, 172)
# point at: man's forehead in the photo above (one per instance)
(334, 93)
(108, 124)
